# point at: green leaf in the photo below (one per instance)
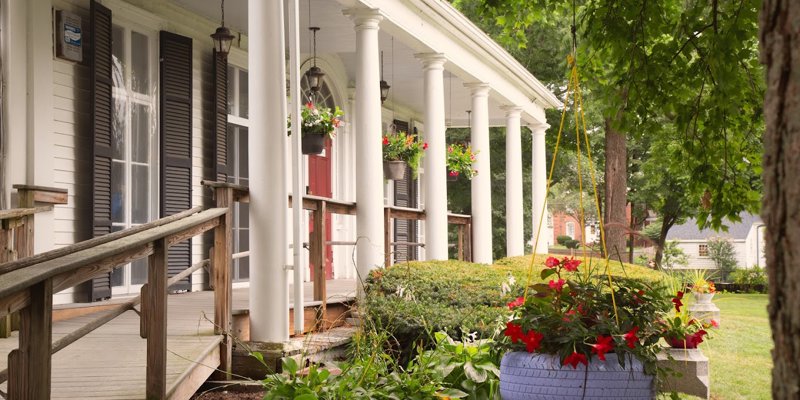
(474, 374)
(453, 393)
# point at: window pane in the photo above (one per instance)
(243, 155)
(140, 57)
(244, 215)
(118, 275)
(231, 91)
(118, 125)
(243, 111)
(244, 262)
(140, 195)
(117, 192)
(140, 133)
(118, 56)
(139, 271)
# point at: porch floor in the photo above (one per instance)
(110, 362)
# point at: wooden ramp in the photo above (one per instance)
(110, 363)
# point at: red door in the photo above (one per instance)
(319, 184)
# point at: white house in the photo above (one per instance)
(746, 236)
(124, 104)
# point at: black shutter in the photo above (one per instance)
(176, 141)
(102, 116)
(405, 196)
(221, 156)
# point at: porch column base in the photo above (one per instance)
(692, 365)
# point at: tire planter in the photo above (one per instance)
(532, 376)
(394, 170)
(313, 143)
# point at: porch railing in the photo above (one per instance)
(27, 285)
(462, 222)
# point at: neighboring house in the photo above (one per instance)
(569, 225)
(746, 236)
(143, 109)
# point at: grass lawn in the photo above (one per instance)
(739, 353)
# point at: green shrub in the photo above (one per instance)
(410, 300)
(572, 244)
(721, 251)
(750, 278)
(562, 239)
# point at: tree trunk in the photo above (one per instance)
(780, 52)
(631, 236)
(667, 222)
(616, 193)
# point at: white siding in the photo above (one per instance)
(692, 249)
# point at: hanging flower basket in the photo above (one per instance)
(452, 176)
(542, 376)
(394, 170)
(313, 143)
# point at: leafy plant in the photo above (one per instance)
(572, 244)
(320, 120)
(699, 281)
(721, 251)
(562, 239)
(680, 329)
(750, 277)
(673, 256)
(400, 146)
(459, 161)
(576, 316)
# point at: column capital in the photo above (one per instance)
(540, 129)
(364, 18)
(512, 111)
(478, 89)
(432, 60)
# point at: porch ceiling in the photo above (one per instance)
(401, 69)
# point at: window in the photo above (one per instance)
(237, 154)
(571, 229)
(702, 250)
(134, 128)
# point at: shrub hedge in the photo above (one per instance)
(411, 300)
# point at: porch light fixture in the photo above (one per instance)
(222, 37)
(314, 74)
(384, 85)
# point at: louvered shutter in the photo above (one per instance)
(222, 168)
(102, 116)
(176, 141)
(405, 196)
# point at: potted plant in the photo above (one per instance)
(577, 331)
(459, 161)
(401, 149)
(318, 123)
(683, 331)
(702, 288)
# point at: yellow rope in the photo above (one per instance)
(580, 121)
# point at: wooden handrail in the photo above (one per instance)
(19, 280)
(22, 212)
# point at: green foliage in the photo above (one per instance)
(721, 251)
(320, 120)
(750, 277)
(652, 231)
(673, 256)
(572, 244)
(562, 239)
(459, 160)
(400, 146)
(451, 369)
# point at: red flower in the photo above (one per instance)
(693, 340)
(568, 315)
(574, 359)
(678, 302)
(630, 338)
(425, 146)
(557, 286)
(450, 149)
(385, 141)
(637, 297)
(514, 331)
(714, 323)
(532, 340)
(310, 105)
(453, 173)
(551, 262)
(604, 345)
(570, 264)
(516, 303)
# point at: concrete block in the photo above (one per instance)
(687, 372)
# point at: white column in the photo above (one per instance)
(539, 189)
(369, 159)
(515, 241)
(435, 178)
(269, 301)
(482, 183)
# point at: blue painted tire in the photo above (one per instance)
(532, 376)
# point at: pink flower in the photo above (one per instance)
(570, 264)
(556, 285)
(714, 323)
(453, 173)
(551, 262)
(425, 146)
(310, 105)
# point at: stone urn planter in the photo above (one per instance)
(394, 170)
(703, 309)
(541, 376)
(313, 143)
